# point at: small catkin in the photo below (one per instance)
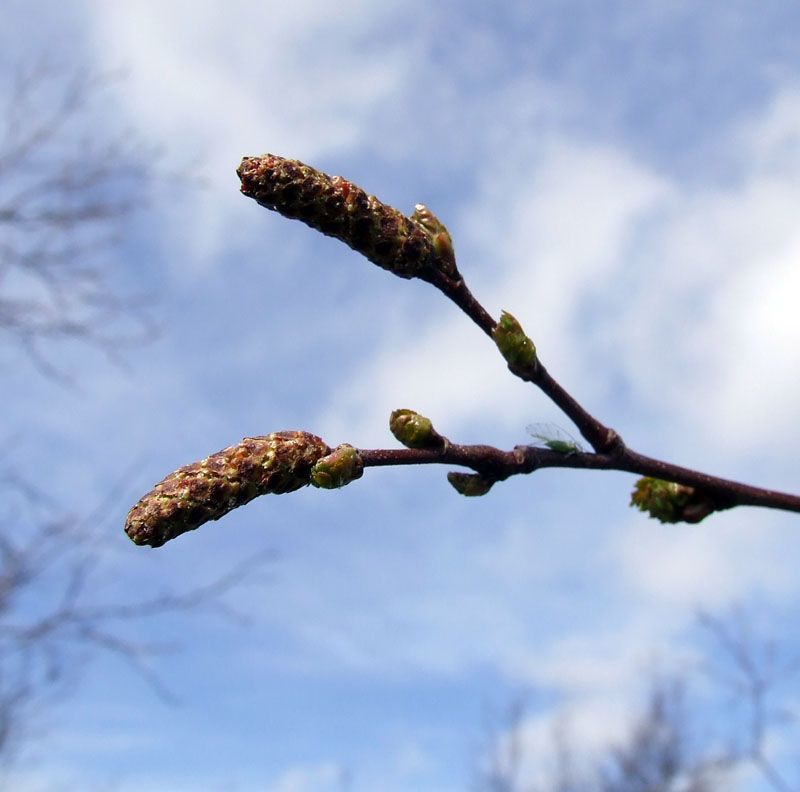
(194, 494)
(340, 209)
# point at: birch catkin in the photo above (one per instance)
(194, 494)
(340, 209)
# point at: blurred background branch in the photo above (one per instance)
(677, 740)
(67, 189)
(67, 186)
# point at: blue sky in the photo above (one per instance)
(623, 177)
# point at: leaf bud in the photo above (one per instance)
(669, 502)
(469, 484)
(518, 350)
(442, 241)
(340, 467)
(414, 430)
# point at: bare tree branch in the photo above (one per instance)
(70, 178)
(417, 246)
(753, 672)
(67, 185)
(50, 613)
(677, 742)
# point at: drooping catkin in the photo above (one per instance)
(194, 494)
(338, 208)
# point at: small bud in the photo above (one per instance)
(340, 209)
(518, 350)
(340, 467)
(194, 494)
(442, 242)
(669, 502)
(469, 484)
(414, 430)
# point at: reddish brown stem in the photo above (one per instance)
(611, 451)
(413, 248)
(499, 465)
(456, 289)
(603, 439)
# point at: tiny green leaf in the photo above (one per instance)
(669, 502)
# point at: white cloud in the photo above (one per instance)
(770, 140)
(410, 760)
(715, 327)
(210, 83)
(313, 778)
(685, 292)
(280, 81)
(587, 661)
(447, 370)
(724, 559)
(578, 731)
(557, 229)
(682, 291)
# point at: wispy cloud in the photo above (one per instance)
(663, 300)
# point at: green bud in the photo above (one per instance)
(340, 467)
(442, 242)
(414, 430)
(428, 220)
(469, 484)
(518, 350)
(194, 494)
(669, 502)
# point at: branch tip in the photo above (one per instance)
(414, 430)
(340, 209)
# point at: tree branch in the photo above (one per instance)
(418, 246)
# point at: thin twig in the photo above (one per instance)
(419, 246)
(499, 465)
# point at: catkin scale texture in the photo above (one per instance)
(340, 209)
(203, 491)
